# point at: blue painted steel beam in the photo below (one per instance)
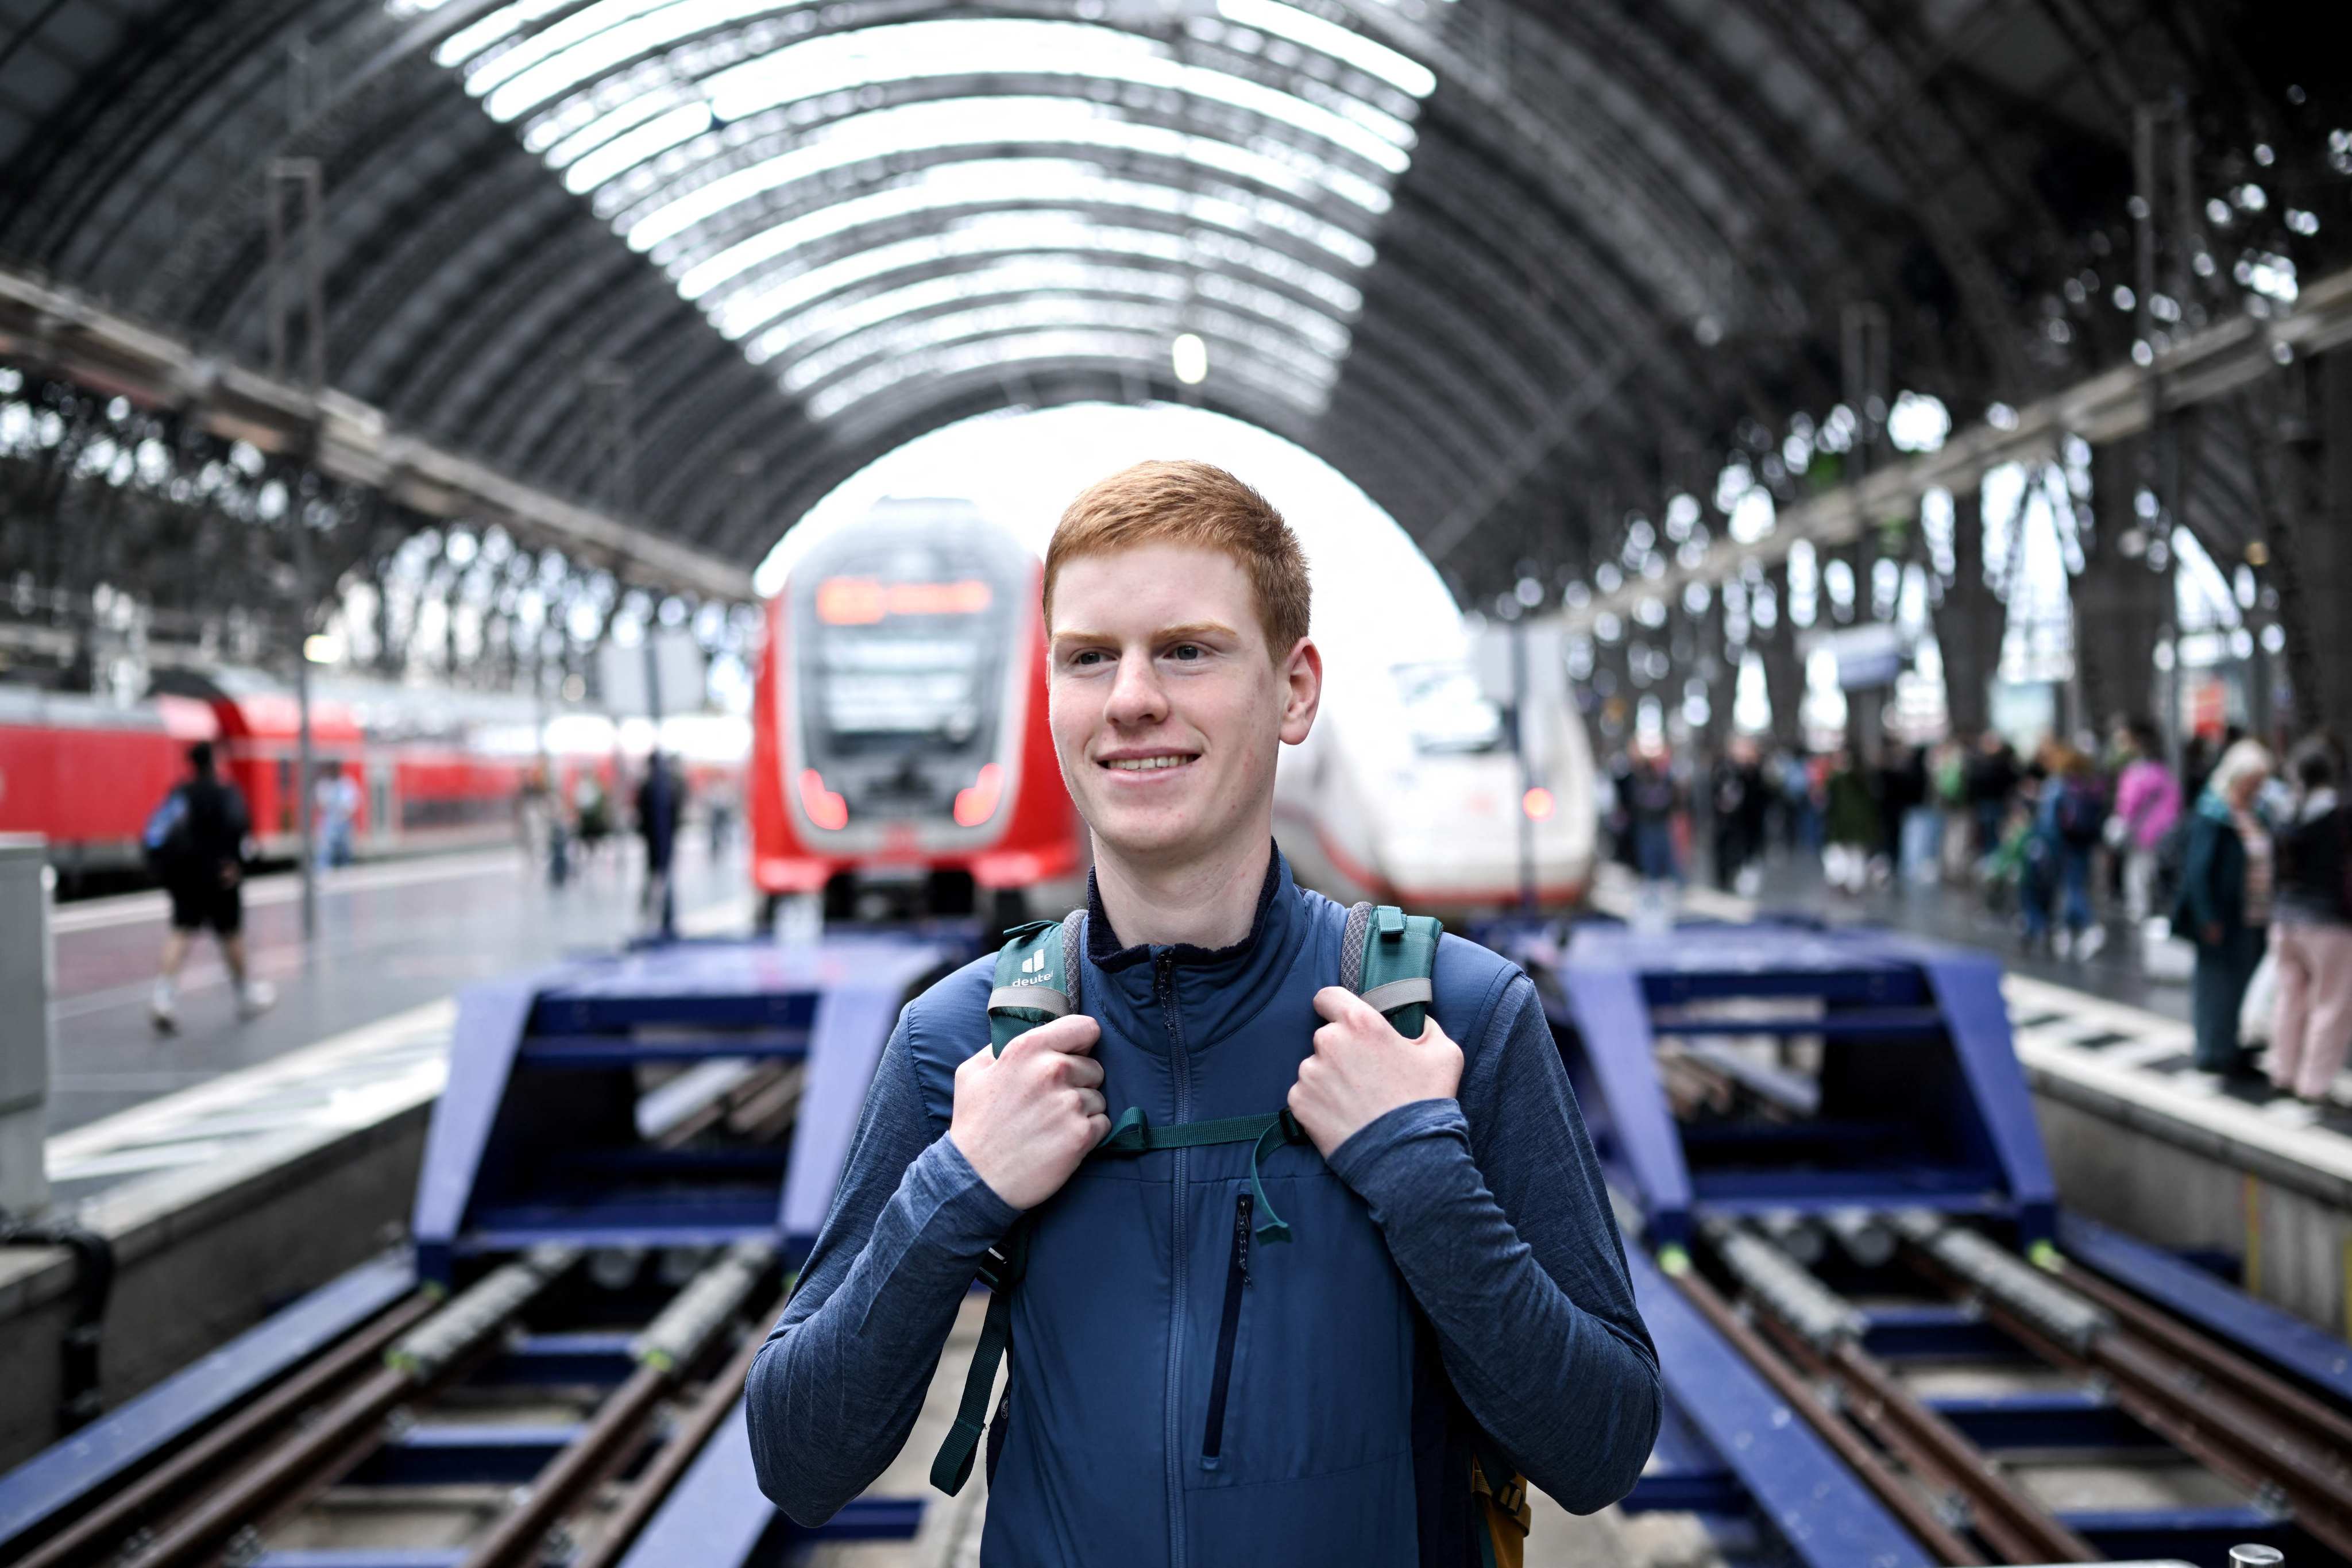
(1967, 989)
(2043, 1418)
(1795, 1481)
(362, 1557)
(1613, 1020)
(2287, 1343)
(623, 1050)
(716, 1517)
(101, 1453)
(543, 1360)
(2203, 1534)
(1887, 1021)
(474, 1452)
(482, 1046)
(852, 1023)
(1934, 1331)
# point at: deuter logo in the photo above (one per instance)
(1034, 964)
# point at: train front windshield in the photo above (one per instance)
(902, 670)
(1447, 713)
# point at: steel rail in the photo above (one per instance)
(686, 1442)
(417, 1361)
(674, 1343)
(1907, 1505)
(1821, 1332)
(112, 1521)
(2213, 1425)
(2018, 1528)
(2286, 1402)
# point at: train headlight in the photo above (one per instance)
(824, 808)
(1537, 802)
(978, 803)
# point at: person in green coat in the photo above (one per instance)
(2224, 906)
(1851, 818)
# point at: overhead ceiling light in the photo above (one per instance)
(1191, 358)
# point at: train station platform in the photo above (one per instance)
(393, 936)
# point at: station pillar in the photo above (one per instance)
(1970, 623)
(2122, 606)
(2315, 582)
(1784, 665)
(24, 1042)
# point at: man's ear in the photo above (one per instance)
(1302, 675)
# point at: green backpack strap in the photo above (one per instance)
(1387, 957)
(1036, 982)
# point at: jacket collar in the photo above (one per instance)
(1215, 990)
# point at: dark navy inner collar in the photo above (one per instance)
(1102, 940)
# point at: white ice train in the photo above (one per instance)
(1408, 790)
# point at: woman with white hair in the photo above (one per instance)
(2225, 901)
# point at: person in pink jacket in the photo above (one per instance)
(2148, 803)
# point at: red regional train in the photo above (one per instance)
(900, 758)
(434, 771)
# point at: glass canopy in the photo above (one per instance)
(875, 202)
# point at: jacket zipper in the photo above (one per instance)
(1164, 977)
(1237, 1278)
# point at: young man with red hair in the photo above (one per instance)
(1183, 1389)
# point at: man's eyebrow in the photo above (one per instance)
(1165, 634)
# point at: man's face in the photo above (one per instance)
(1167, 712)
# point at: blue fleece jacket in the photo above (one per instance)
(1178, 1397)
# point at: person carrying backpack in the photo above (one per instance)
(2070, 823)
(1280, 1283)
(195, 844)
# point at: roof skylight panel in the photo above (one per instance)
(941, 124)
(1020, 46)
(1024, 234)
(1041, 180)
(895, 322)
(1063, 345)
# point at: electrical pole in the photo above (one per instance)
(302, 177)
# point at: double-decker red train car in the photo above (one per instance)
(900, 757)
(431, 770)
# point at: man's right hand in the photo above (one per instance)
(1025, 1119)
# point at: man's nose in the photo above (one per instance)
(1136, 696)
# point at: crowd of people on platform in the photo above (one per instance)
(2246, 862)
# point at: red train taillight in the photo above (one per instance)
(824, 808)
(978, 803)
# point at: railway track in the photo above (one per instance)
(543, 1411)
(2076, 1386)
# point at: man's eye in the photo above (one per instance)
(1084, 657)
(1185, 651)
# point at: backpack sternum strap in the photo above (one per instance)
(1133, 1135)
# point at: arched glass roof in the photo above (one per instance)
(863, 207)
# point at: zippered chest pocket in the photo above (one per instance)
(1229, 1327)
(1306, 1366)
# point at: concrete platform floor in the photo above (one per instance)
(392, 935)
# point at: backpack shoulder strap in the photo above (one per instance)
(1036, 981)
(1387, 957)
(1037, 977)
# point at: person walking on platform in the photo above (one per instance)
(2148, 803)
(1195, 1379)
(1851, 823)
(2311, 935)
(2224, 904)
(197, 843)
(660, 804)
(2068, 824)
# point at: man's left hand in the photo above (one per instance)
(1362, 1070)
